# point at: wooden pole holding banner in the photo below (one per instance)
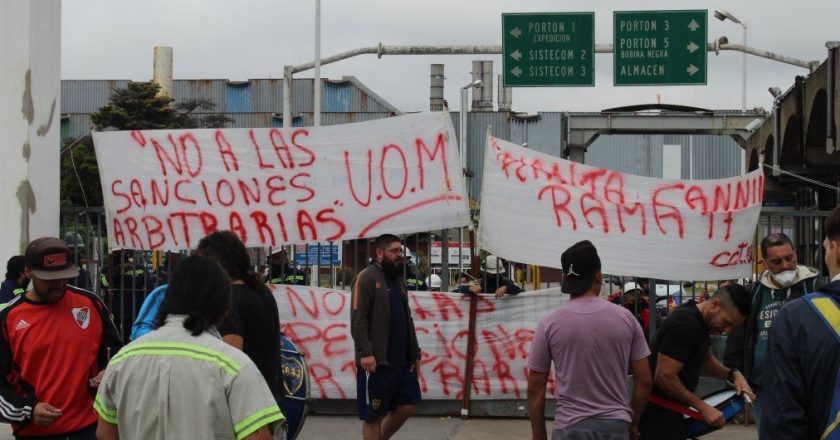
(471, 340)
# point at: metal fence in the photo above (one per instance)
(123, 277)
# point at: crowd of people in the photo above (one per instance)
(782, 356)
(203, 356)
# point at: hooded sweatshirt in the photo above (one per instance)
(746, 346)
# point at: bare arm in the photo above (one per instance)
(667, 379)
(537, 383)
(642, 383)
(714, 368)
(107, 431)
(260, 434)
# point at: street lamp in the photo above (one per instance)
(723, 16)
(463, 150)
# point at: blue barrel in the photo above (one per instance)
(726, 402)
(295, 387)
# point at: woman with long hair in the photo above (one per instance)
(182, 380)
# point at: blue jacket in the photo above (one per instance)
(145, 321)
(802, 364)
(9, 290)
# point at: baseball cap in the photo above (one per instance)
(580, 263)
(49, 259)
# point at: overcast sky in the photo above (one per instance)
(222, 39)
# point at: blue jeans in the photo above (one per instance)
(594, 429)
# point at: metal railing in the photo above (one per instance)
(124, 277)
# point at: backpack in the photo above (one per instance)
(828, 310)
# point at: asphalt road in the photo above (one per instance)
(445, 428)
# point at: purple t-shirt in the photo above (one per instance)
(591, 343)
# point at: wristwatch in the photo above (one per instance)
(731, 375)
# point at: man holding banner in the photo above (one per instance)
(387, 352)
(591, 343)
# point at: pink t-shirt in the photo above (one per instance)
(591, 343)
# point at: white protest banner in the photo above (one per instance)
(317, 321)
(166, 189)
(534, 206)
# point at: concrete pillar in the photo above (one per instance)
(162, 74)
(30, 120)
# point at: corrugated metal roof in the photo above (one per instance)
(86, 96)
(78, 125)
(632, 154)
(214, 90)
(75, 125)
(237, 97)
(253, 96)
(715, 157)
(266, 95)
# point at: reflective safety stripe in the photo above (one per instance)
(178, 349)
(832, 428)
(829, 311)
(257, 421)
(134, 273)
(107, 414)
(103, 280)
(18, 291)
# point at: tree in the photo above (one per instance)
(136, 107)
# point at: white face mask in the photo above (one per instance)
(786, 278)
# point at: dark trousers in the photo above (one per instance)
(88, 433)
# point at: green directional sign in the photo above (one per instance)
(660, 47)
(548, 49)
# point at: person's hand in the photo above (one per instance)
(95, 381)
(414, 366)
(45, 414)
(634, 432)
(501, 291)
(368, 364)
(712, 416)
(475, 288)
(742, 386)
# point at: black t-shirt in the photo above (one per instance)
(255, 318)
(398, 336)
(683, 337)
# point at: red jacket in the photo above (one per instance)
(49, 353)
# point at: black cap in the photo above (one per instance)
(580, 263)
(49, 259)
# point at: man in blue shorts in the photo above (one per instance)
(387, 353)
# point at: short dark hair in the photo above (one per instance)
(734, 295)
(200, 289)
(384, 240)
(15, 266)
(773, 240)
(832, 224)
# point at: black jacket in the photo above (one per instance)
(740, 342)
(802, 367)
